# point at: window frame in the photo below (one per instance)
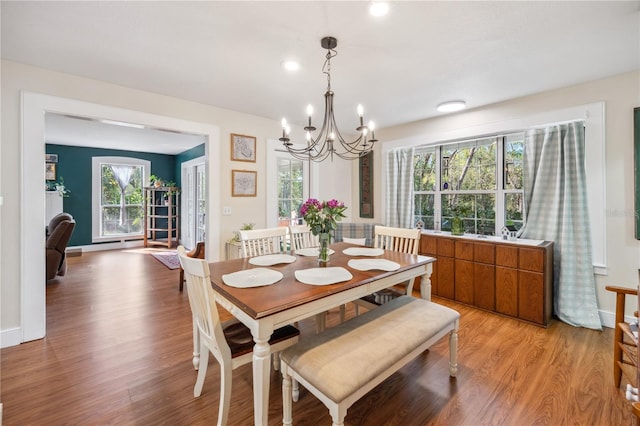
(290, 159)
(96, 185)
(499, 192)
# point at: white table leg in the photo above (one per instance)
(425, 283)
(261, 376)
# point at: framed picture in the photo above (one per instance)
(51, 158)
(366, 185)
(243, 148)
(50, 171)
(243, 183)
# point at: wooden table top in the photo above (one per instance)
(287, 293)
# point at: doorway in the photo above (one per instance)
(34, 108)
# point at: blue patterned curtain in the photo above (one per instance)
(399, 205)
(555, 197)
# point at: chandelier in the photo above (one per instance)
(329, 141)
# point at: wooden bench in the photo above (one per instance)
(343, 363)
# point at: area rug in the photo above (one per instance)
(167, 258)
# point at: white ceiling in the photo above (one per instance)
(400, 67)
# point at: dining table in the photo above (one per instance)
(264, 308)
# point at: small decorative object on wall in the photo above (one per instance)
(243, 148)
(636, 145)
(243, 183)
(51, 158)
(50, 171)
(366, 185)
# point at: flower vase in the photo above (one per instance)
(323, 251)
(457, 227)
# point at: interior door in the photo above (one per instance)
(193, 202)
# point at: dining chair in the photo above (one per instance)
(404, 240)
(302, 237)
(230, 343)
(256, 242)
(198, 253)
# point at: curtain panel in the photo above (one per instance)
(555, 202)
(399, 202)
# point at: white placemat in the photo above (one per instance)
(369, 264)
(254, 277)
(323, 276)
(363, 251)
(272, 259)
(310, 251)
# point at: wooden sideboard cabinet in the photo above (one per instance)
(513, 279)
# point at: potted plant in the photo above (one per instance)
(244, 227)
(155, 181)
(459, 211)
(172, 190)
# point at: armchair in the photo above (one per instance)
(59, 233)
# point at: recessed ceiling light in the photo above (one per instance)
(451, 106)
(379, 8)
(291, 65)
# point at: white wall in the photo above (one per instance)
(17, 77)
(621, 94)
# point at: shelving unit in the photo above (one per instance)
(161, 216)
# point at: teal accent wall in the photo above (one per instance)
(74, 165)
(188, 155)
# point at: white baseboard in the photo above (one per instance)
(11, 337)
(107, 246)
(608, 319)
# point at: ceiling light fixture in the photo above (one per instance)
(291, 65)
(324, 145)
(379, 8)
(451, 106)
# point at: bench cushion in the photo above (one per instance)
(342, 359)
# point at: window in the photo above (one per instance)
(513, 189)
(424, 186)
(117, 197)
(478, 180)
(290, 190)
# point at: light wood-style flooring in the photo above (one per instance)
(118, 352)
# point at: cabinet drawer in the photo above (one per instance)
(445, 247)
(484, 253)
(428, 245)
(506, 256)
(464, 250)
(531, 259)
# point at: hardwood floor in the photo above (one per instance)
(118, 351)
